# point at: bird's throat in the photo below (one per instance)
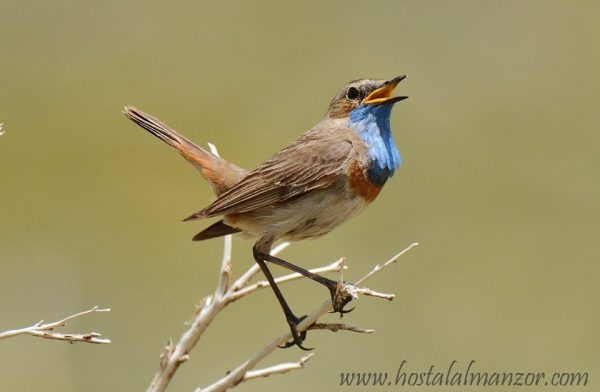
(372, 123)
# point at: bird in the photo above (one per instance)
(322, 179)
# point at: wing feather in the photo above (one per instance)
(312, 162)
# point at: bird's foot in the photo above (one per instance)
(297, 337)
(340, 297)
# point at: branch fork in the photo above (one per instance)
(225, 293)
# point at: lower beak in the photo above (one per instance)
(383, 95)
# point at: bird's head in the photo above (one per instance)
(366, 94)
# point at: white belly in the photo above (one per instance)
(311, 215)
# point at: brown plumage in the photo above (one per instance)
(312, 162)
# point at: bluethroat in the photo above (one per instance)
(322, 179)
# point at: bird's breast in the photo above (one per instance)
(360, 183)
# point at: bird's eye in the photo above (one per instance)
(352, 94)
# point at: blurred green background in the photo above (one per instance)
(500, 183)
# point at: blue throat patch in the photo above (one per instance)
(372, 122)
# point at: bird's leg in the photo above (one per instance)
(337, 301)
(292, 320)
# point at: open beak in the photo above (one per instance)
(383, 95)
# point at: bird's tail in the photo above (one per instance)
(221, 174)
(215, 230)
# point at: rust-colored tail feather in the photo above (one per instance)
(221, 174)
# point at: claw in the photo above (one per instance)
(297, 338)
(339, 302)
(287, 344)
(292, 343)
(343, 311)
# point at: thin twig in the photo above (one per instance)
(277, 369)
(378, 267)
(334, 327)
(225, 268)
(335, 266)
(46, 331)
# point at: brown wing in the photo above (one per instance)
(313, 161)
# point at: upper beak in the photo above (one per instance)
(383, 95)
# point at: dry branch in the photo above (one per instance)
(278, 369)
(175, 355)
(46, 331)
(236, 376)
